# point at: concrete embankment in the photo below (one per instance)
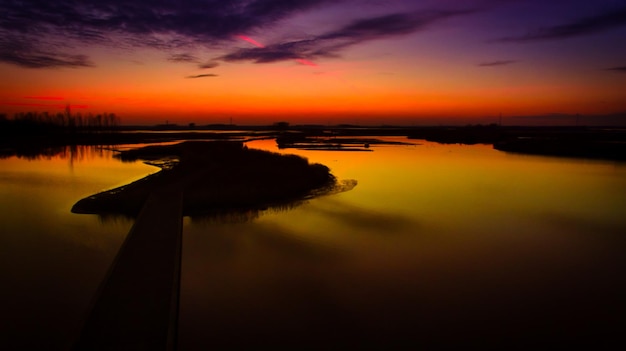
(136, 307)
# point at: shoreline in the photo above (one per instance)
(581, 142)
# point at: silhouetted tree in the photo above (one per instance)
(65, 122)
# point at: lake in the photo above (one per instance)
(437, 245)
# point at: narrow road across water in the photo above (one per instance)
(136, 307)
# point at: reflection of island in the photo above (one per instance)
(214, 177)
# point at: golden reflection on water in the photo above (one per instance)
(436, 242)
(53, 260)
(38, 193)
(475, 184)
(433, 239)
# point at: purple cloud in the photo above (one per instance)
(580, 27)
(55, 31)
(496, 63)
(621, 69)
(331, 43)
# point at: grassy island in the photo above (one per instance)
(214, 177)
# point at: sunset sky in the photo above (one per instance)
(316, 61)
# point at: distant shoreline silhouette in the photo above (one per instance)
(31, 134)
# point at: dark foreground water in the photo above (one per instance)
(438, 245)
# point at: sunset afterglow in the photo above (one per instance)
(391, 62)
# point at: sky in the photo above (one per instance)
(368, 62)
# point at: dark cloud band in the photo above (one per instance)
(331, 43)
(184, 58)
(202, 76)
(580, 27)
(161, 24)
(617, 69)
(496, 63)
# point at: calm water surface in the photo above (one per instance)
(436, 244)
(51, 261)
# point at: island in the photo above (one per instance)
(214, 177)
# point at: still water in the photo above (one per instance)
(437, 244)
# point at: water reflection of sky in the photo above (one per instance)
(444, 239)
(436, 242)
(52, 261)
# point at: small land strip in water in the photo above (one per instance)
(214, 177)
(608, 143)
(574, 142)
(330, 142)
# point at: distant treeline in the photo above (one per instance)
(37, 123)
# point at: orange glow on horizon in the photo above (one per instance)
(52, 106)
(367, 91)
(44, 97)
(321, 64)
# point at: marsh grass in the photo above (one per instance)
(215, 177)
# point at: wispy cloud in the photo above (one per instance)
(331, 43)
(579, 27)
(22, 51)
(185, 58)
(496, 63)
(44, 59)
(56, 31)
(208, 65)
(41, 34)
(621, 69)
(202, 76)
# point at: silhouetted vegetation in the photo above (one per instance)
(38, 123)
(583, 142)
(610, 146)
(32, 133)
(215, 177)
